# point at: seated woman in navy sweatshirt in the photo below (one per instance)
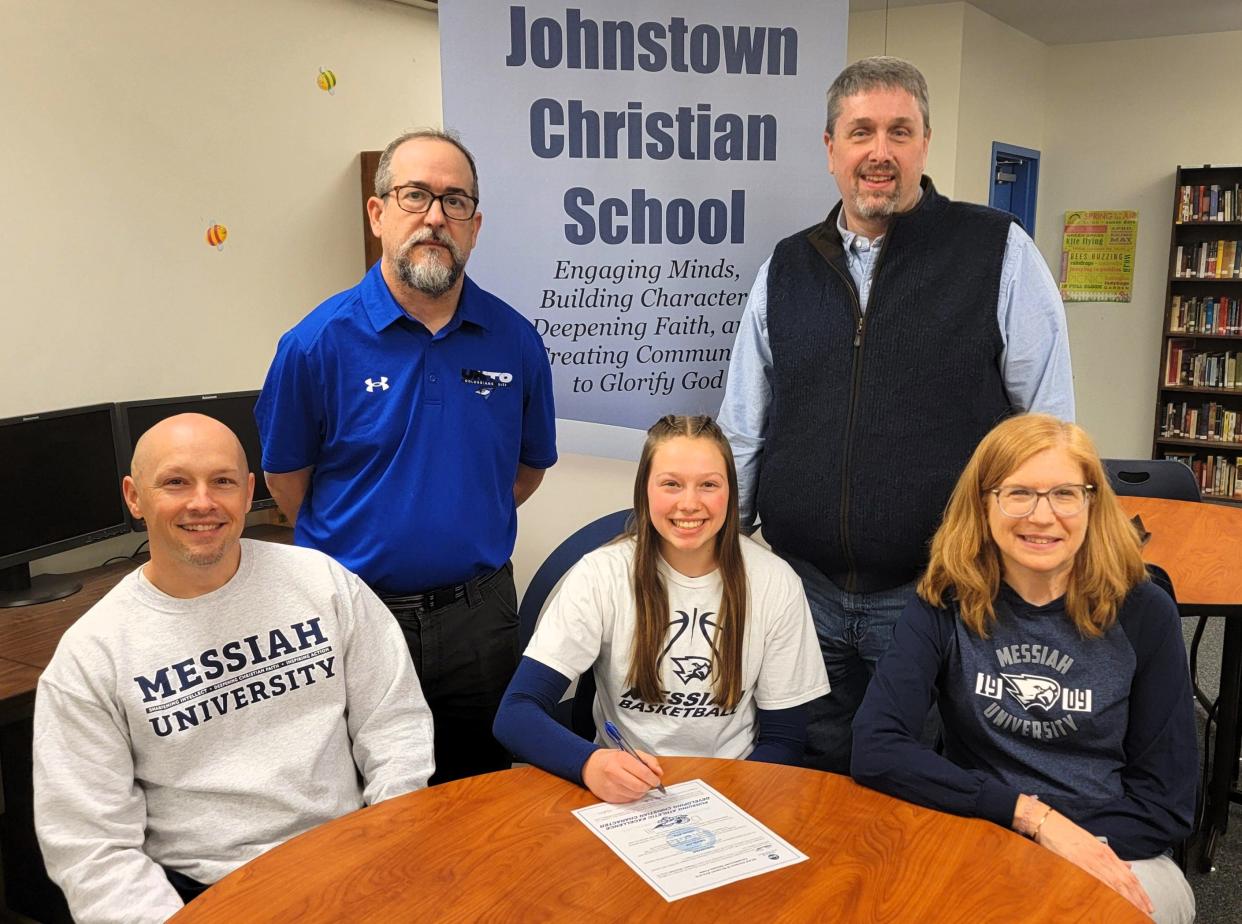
(700, 640)
(1059, 670)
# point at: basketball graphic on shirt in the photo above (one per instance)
(690, 667)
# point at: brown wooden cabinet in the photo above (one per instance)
(1199, 384)
(368, 161)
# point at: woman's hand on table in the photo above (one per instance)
(1089, 853)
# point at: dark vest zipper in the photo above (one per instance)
(846, 450)
(851, 580)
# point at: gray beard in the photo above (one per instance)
(870, 207)
(429, 275)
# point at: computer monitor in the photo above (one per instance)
(60, 488)
(234, 409)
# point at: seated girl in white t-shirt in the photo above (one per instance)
(700, 640)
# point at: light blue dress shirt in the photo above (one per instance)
(1035, 361)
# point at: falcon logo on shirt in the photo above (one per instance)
(1033, 690)
(692, 668)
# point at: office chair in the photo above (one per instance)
(576, 713)
(1152, 478)
(1174, 481)
(1181, 850)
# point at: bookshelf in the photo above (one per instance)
(1199, 384)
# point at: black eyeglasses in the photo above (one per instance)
(417, 200)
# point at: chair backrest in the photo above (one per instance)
(577, 716)
(1152, 478)
(563, 557)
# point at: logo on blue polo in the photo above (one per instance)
(372, 384)
(487, 382)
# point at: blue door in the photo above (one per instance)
(1015, 182)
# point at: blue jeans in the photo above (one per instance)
(854, 631)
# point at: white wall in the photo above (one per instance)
(1121, 117)
(575, 491)
(1003, 94)
(130, 126)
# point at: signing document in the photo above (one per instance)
(688, 841)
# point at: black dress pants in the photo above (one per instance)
(465, 655)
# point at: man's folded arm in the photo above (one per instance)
(289, 490)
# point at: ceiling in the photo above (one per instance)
(1069, 22)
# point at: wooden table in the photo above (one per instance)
(1200, 546)
(504, 847)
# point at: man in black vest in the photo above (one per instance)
(876, 349)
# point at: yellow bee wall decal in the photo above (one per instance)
(217, 235)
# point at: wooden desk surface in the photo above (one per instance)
(504, 847)
(29, 634)
(1200, 545)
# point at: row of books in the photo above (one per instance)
(1208, 203)
(1196, 368)
(1218, 476)
(1206, 421)
(1208, 260)
(1207, 315)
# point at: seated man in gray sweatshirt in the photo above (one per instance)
(223, 698)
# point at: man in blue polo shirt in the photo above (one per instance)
(403, 422)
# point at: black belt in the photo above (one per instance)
(427, 601)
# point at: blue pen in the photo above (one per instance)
(624, 745)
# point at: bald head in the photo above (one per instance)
(180, 434)
(190, 482)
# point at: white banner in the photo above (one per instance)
(635, 173)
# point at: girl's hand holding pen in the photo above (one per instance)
(615, 776)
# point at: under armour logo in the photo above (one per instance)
(382, 384)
